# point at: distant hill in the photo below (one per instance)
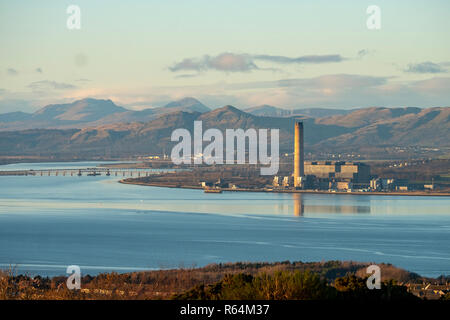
(153, 136)
(90, 112)
(363, 117)
(429, 127)
(412, 127)
(321, 112)
(14, 116)
(100, 128)
(187, 104)
(268, 111)
(271, 111)
(86, 110)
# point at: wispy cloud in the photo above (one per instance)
(364, 52)
(187, 75)
(228, 62)
(331, 90)
(12, 72)
(82, 80)
(340, 81)
(303, 59)
(243, 62)
(435, 85)
(344, 91)
(332, 81)
(44, 85)
(425, 67)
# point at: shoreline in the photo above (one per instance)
(418, 193)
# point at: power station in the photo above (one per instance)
(321, 175)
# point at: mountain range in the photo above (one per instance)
(90, 112)
(107, 130)
(96, 112)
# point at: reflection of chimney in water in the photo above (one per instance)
(298, 204)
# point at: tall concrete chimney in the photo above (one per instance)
(299, 154)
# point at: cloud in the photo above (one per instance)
(364, 52)
(432, 86)
(332, 90)
(45, 85)
(340, 81)
(303, 59)
(38, 70)
(343, 91)
(425, 67)
(228, 62)
(335, 81)
(12, 72)
(326, 91)
(233, 62)
(187, 75)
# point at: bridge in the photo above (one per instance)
(117, 172)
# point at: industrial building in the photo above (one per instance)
(339, 175)
(336, 175)
(354, 171)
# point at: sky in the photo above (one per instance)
(290, 54)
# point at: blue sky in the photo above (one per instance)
(290, 54)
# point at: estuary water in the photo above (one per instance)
(50, 222)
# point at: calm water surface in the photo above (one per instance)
(48, 223)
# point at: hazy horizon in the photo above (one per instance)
(243, 108)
